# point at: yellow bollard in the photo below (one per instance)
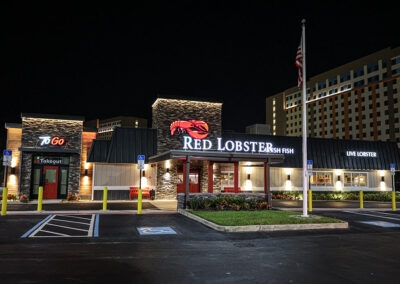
(394, 200)
(361, 199)
(139, 203)
(4, 202)
(40, 198)
(105, 198)
(309, 200)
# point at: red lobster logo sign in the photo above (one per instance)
(196, 129)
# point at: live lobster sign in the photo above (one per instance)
(196, 129)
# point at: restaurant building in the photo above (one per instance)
(186, 151)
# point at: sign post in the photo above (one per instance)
(393, 172)
(140, 159)
(7, 154)
(309, 173)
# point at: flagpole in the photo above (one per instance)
(304, 122)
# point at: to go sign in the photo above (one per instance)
(54, 141)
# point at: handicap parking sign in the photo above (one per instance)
(156, 231)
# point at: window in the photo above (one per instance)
(322, 179)
(373, 79)
(359, 72)
(358, 83)
(395, 60)
(333, 91)
(321, 85)
(345, 87)
(332, 81)
(372, 67)
(345, 77)
(355, 179)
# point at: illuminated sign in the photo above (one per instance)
(196, 129)
(48, 140)
(43, 160)
(234, 146)
(361, 154)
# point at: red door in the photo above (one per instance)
(194, 186)
(50, 182)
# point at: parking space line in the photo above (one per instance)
(371, 215)
(41, 226)
(96, 226)
(55, 233)
(70, 216)
(72, 222)
(34, 227)
(66, 227)
(91, 229)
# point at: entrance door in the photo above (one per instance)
(194, 186)
(50, 182)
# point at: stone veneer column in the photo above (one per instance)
(166, 111)
(26, 173)
(166, 181)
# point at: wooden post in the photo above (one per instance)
(210, 176)
(236, 177)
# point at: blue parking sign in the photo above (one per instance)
(140, 157)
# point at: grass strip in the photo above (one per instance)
(262, 217)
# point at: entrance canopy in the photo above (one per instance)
(216, 156)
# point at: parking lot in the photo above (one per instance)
(148, 248)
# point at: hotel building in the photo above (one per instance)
(359, 100)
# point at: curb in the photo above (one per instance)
(264, 228)
(101, 212)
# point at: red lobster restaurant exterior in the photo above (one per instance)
(187, 155)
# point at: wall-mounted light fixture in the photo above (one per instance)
(167, 165)
(338, 178)
(12, 171)
(382, 178)
(248, 176)
(288, 177)
(144, 173)
(86, 172)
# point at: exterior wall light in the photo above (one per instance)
(86, 172)
(382, 178)
(12, 171)
(248, 176)
(144, 173)
(288, 177)
(167, 165)
(338, 178)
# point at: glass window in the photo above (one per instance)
(51, 176)
(322, 179)
(63, 183)
(359, 72)
(355, 179)
(321, 85)
(372, 67)
(345, 77)
(332, 81)
(36, 180)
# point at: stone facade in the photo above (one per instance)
(166, 181)
(166, 111)
(247, 196)
(32, 129)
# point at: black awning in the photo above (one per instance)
(125, 145)
(217, 156)
(330, 153)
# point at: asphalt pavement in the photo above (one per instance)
(189, 252)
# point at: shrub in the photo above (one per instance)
(23, 198)
(71, 197)
(227, 203)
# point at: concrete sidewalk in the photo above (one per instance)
(50, 206)
(333, 204)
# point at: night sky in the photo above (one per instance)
(101, 61)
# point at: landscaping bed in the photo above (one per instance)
(259, 217)
(340, 195)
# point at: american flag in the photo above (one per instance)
(299, 62)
